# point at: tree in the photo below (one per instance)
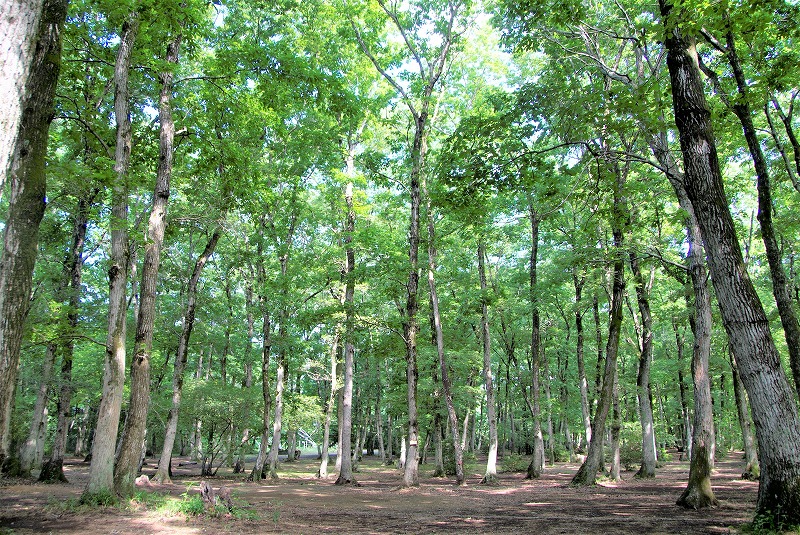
(20, 28)
(429, 73)
(774, 413)
(133, 434)
(101, 473)
(27, 180)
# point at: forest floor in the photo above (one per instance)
(300, 503)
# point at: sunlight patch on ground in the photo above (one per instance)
(538, 504)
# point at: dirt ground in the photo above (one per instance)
(300, 503)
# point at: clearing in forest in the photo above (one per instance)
(300, 503)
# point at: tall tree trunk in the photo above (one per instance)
(751, 469)
(587, 473)
(643, 391)
(698, 492)
(774, 411)
(536, 466)
(346, 471)
(101, 471)
(323, 465)
(266, 334)
(780, 284)
(277, 421)
(19, 32)
(163, 473)
(379, 428)
(129, 460)
(490, 477)
(438, 335)
(582, 383)
(53, 470)
(616, 429)
(26, 175)
(32, 449)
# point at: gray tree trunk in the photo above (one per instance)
(774, 411)
(27, 178)
(163, 473)
(490, 476)
(101, 471)
(587, 473)
(19, 33)
(751, 469)
(643, 391)
(129, 460)
(536, 466)
(326, 434)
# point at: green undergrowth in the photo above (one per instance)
(768, 524)
(188, 504)
(514, 463)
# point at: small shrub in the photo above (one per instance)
(514, 463)
(560, 454)
(449, 461)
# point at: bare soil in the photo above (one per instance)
(300, 503)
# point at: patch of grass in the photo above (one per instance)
(103, 498)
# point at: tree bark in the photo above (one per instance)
(323, 465)
(101, 471)
(582, 383)
(774, 412)
(72, 267)
(28, 182)
(19, 34)
(536, 466)
(128, 462)
(587, 473)
(32, 450)
(266, 333)
(490, 477)
(346, 471)
(751, 469)
(447, 387)
(780, 284)
(643, 391)
(163, 473)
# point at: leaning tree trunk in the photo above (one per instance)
(27, 177)
(19, 35)
(751, 469)
(780, 284)
(101, 472)
(346, 470)
(643, 392)
(698, 492)
(774, 411)
(490, 477)
(536, 466)
(447, 387)
(587, 473)
(133, 434)
(163, 473)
